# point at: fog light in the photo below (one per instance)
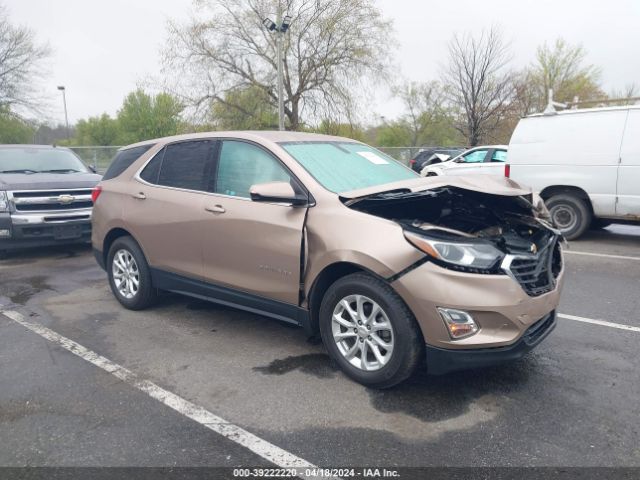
(4, 233)
(459, 323)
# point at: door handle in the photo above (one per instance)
(139, 196)
(215, 209)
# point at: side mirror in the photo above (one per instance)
(92, 169)
(276, 192)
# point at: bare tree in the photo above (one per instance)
(479, 84)
(21, 62)
(331, 50)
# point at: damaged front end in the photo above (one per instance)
(473, 231)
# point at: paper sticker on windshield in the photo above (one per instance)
(373, 158)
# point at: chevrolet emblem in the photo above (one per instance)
(66, 199)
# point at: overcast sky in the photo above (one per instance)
(104, 48)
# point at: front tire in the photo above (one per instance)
(570, 214)
(370, 332)
(129, 275)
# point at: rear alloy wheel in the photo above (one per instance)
(369, 331)
(569, 214)
(129, 275)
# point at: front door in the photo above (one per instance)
(251, 246)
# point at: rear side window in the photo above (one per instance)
(123, 160)
(185, 165)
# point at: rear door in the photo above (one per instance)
(165, 208)
(251, 246)
(628, 192)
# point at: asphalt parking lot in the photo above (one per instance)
(571, 402)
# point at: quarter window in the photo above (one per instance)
(242, 165)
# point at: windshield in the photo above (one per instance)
(345, 166)
(38, 160)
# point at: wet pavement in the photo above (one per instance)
(571, 402)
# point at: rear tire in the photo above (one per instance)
(570, 214)
(391, 353)
(129, 275)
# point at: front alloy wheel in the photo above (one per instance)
(362, 332)
(369, 331)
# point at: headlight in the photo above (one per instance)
(482, 256)
(4, 202)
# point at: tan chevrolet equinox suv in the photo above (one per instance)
(327, 233)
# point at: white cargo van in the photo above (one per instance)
(584, 163)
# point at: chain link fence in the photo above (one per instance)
(98, 157)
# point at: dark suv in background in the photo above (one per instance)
(45, 196)
(421, 160)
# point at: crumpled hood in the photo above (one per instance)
(493, 184)
(47, 181)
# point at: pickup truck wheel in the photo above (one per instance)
(570, 215)
(129, 275)
(369, 331)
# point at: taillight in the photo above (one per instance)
(412, 162)
(95, 193)
(507, 170)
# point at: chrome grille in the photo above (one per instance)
(50, 200)
(536, 273)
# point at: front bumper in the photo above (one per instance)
(44, 229)
(441, 361)
(498, 304)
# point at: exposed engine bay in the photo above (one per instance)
(476, 231)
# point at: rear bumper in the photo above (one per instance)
(27, 231)
(441, 360)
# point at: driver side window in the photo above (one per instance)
(242, 165)
(475, 157)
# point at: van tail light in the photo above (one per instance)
(507, 171)
(412, 162)
(95, 193)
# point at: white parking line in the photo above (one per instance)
(605, 255)
(599, 322)
(257, 445)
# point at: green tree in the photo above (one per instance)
(145, 116)
(247, 108)
(561, 67)
(347, 130)
(13, 129)
(393, 134)
(102, 130)
(428, 119)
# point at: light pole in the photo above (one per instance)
(280, 27)
(66, 118)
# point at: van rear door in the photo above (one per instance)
(628, 201)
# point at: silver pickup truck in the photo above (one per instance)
(45, 197)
